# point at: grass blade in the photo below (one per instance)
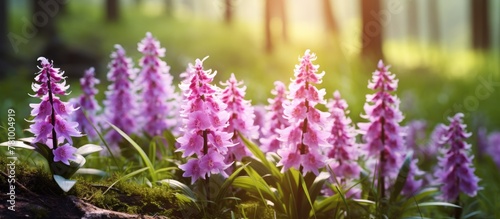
(125, 177)
(141, 152)
(401, 179)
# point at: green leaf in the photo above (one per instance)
(141, 152)
(364, 201)
(227, 183)
(91, 171)
(152, 151)
(257, 152)
(472, 214)
(66, 171)
(103, 141)
(427, 193)
(434, 204)
(401, 179)
(306, 192)
(416, 217)
(317, 185)
(18, 144)
(63, 183)
(174, 184)
(342, 195)
(166, 169)
(88, 149)
(256, 186)
(327, 204)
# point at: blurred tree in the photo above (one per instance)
(434, 21)
(413, 19)
(267, 26)
(371, 37)
(228, 12)
(4, 41)
(283, 18)
(480, 24)
(44, 14)
(331, 24)
(169, 7)
(273, 8)
(112, 10)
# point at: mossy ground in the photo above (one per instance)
(40, 192)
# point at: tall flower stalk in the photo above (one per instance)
(204, 119)
(50, 125)
(304, 140)
(241, 118)
(456, 173)
(493, 147)
(88, 106)
(342, 139)
(120, 103)
(275, 118)
(155, 84)
(381, 134)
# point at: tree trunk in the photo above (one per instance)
(3, 27)
(44, 16)
(267, 26)
(283, 18)
(228, 14)
(112, 10)
(413, 19)
(4, 41)
(330, 23)
(169, 6)
(480, 25)
(435, 33)
(371, 38)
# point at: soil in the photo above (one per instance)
(33, 206)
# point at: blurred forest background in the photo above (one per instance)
(443, 51)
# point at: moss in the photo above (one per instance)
(128, 197)
(252, 209)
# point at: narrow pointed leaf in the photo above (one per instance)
(63, 183)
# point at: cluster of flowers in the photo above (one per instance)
(135, 100)
(51, 126)
(212, 119)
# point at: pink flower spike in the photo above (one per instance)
(456, 173)
(493, 147)
(121, 102)
(342, 139)
(64, 153)
(306, 130)
(155, 85)
(381, 134)
(275, 118)
(51, 113)
(203, 121)
(240, 117)
(87, 105)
